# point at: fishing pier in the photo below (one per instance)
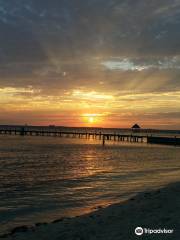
(73, 134)
(57, 132)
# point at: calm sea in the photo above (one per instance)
(45, 178)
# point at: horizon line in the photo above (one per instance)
(94, 127)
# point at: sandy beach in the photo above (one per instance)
(157, 210)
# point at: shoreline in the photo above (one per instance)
(157, 209)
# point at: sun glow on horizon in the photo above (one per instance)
(92, 118)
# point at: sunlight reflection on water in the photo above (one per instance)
(43, 178)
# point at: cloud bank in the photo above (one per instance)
(53, 53)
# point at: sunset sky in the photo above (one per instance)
(107, 63)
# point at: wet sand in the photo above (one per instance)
(157, 209)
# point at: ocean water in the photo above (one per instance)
(45, 178)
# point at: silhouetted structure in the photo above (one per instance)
(56, 132)
(48, 131)
(136, 126)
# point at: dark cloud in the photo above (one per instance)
(79, 27)
(52, 79)
(60, 45)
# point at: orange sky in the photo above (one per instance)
(90, 63)
(88, 108)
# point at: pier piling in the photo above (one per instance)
(22, 131)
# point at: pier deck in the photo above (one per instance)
(73, 134)
(26, 131)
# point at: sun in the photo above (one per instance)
(91, 119)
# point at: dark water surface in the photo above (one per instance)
(44, 178)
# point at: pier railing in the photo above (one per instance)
(134, 137)
(74, 134)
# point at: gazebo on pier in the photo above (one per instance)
(135, 127)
